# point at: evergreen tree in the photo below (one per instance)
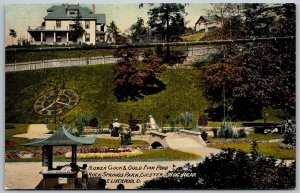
(113, 30)
(77, 30)
(167, 22)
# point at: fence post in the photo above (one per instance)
(103, 60)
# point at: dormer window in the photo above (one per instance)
(72, 12)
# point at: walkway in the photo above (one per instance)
(190, 145)
(35, 131)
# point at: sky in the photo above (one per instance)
(20, 16)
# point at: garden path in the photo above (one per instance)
(189, 145)
(35, 131)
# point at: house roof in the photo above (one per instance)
(60, 12)
(61, 138)
(211, 18)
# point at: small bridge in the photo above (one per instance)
(169, 140)
(157, 140)
(184, 140)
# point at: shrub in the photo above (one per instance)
(229, 169)
(185, 119)
(289, 135)
(126, 139)
(225, 131)
(241, 133)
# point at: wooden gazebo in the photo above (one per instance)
(64, 177)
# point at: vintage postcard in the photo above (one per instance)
(150, 96)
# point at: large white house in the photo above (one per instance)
(207, 23)
(59, 21)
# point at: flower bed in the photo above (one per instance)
(106, 154)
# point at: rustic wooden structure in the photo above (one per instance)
(61, 177)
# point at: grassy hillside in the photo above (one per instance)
(28, 56)
(95, 86)
(195, 37)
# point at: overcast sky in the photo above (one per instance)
(20, 16)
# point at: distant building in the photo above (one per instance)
(207, 23)
(59, 22)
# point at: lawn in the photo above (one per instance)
(195, 37)
(258, 136)
(268, 149)
(28, 56)
(251, 136)
(95, 86)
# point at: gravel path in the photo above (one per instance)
(35, 131)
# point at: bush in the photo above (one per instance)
(225, 131)
(126, 139)
(185, 119)
(229, 169)
(289, 135)
(241, 133)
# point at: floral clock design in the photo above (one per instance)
(56, 102)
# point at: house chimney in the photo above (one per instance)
(93, 8)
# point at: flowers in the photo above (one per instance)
(106, 154)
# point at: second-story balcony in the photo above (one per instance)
(46, 28)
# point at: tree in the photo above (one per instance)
(77, 30)
(13, 35)
(231, 22)
(258, 19)
(258, 75)
(137, 76)
(166, 22)
(113, 30)
(138, 31)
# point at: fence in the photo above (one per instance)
(88, 61)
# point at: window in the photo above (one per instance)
(87, 24)
(72, 12)
(87, 37)
(58, 23)
(102, 28)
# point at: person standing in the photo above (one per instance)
(84, 176)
